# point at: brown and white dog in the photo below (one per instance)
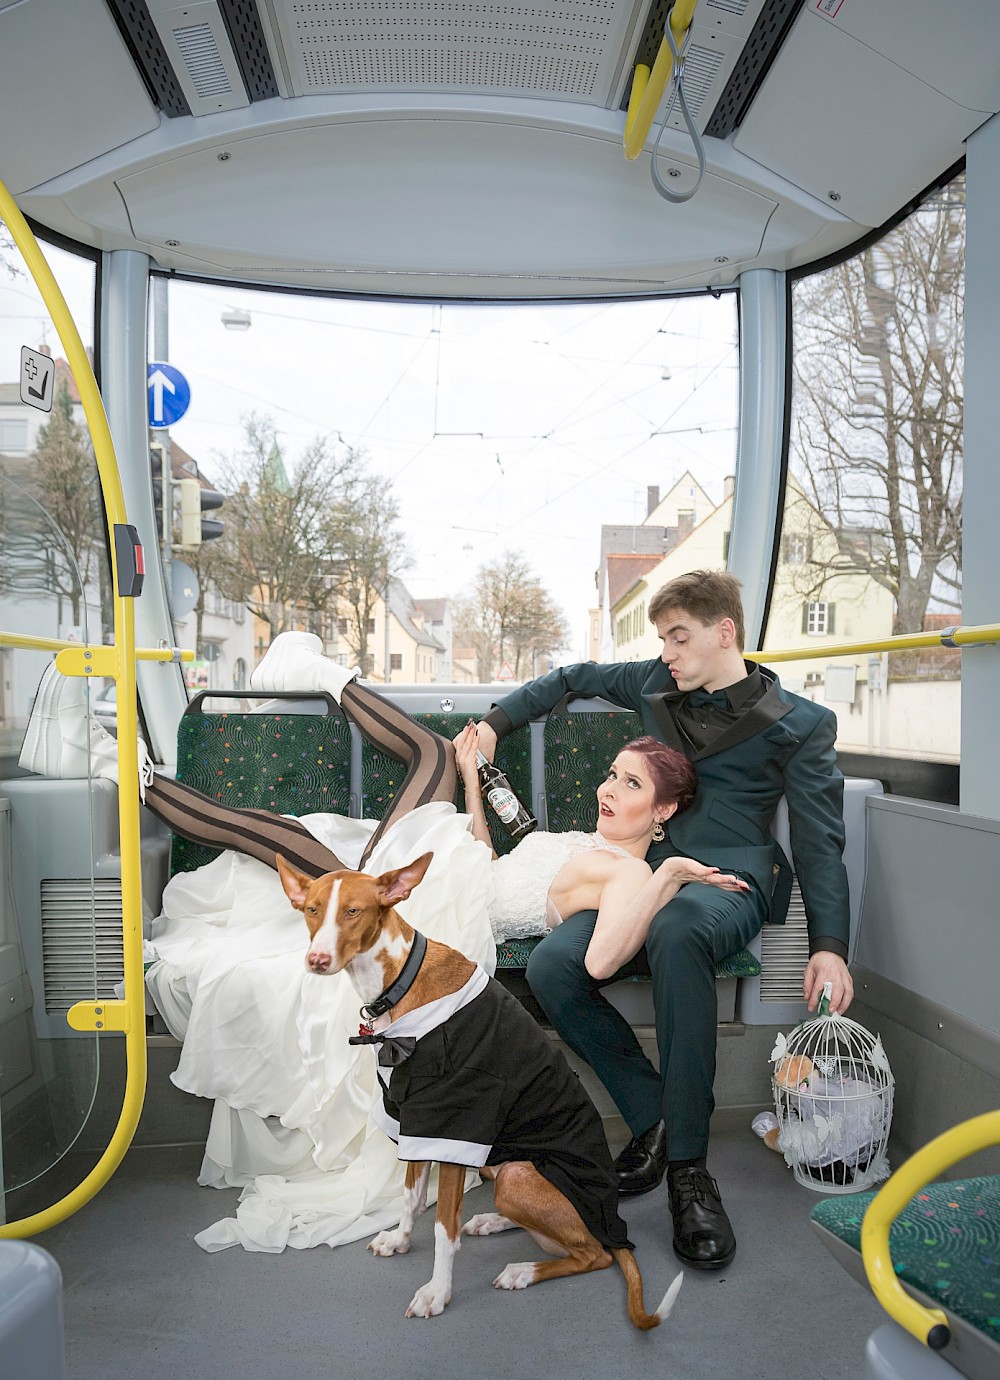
(353, 926)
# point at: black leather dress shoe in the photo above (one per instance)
(643, 1162)
(703, 1236)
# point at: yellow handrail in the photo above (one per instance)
(958, 636)
(928, 1325)
(127, 1016)
(60, 644)
(648, 87)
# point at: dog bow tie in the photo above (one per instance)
(395, 1049)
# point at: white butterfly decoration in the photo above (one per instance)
(780, 1046)
(878, 1055)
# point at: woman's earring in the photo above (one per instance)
(658, 834)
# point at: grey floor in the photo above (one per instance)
(141, 1300)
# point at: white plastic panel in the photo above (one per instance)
(961, 64)
(833, 115)
(455, 197)
(568, 52)
(69, 89)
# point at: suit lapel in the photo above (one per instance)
(659, 705)
(768, 710)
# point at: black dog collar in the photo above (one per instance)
(400, 987)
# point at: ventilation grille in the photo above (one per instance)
(700, 68)
(81, 940)
(784, 953)
(735, 7)
(143, 42)
(246, 34)
(203, 60)
(492, 46)
(753, 65)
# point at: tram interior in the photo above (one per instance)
(472, 153)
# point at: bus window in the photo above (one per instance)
(871, 533)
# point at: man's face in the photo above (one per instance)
(699, 657)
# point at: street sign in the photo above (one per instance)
(169, 394)
(38, 374)
(505, 672)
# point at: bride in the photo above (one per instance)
(267, 1041)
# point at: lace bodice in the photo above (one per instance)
(521, 879)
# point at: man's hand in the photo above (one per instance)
(826, 967)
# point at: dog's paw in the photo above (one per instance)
(390, 1243)
(487, 1223)
(428, 1301)
(517, 1276)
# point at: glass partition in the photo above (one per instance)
(60, 925)
(871, 532)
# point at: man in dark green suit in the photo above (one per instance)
(751, 742)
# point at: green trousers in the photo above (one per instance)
(701, 926)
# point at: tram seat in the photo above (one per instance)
(324, 765)
(944, 1249)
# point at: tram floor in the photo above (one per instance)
(142, 1300)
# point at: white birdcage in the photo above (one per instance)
(833, 1098)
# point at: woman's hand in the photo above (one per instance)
(679, 871)
(466, 746)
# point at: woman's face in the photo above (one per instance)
(626, 799)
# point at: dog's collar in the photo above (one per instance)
(403, 983)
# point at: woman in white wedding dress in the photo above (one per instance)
(268, 1041)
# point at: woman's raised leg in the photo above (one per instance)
(431, 773)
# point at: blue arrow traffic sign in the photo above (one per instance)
(169, 394)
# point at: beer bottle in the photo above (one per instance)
(502, 800)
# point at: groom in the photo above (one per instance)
(751, 742)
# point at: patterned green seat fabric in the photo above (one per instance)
(291, 764)
(579, 748)
(382, 775)
(945, 1243)
(514, 953)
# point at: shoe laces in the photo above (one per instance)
(692, 1185)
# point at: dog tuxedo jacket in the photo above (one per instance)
(483, 1086)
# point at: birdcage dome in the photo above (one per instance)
(833, 1099)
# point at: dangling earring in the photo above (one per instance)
(658, 834)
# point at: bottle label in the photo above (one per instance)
(505, 803)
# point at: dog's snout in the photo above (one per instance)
(318, 962)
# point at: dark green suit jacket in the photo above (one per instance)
(782, 745)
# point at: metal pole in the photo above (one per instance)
(161, 352)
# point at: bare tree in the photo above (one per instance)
(879, 409)
(61, 476)
(368, 550)
(274, 555)
(508, 617)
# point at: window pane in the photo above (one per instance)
(873, 505)
(489, 458)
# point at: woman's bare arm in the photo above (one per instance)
(465, 757)
(625, 911)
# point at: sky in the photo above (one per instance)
(499, 428)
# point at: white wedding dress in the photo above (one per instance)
(268, 1040)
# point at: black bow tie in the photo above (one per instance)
(697, 699)
(396, 1049)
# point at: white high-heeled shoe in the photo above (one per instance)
(295, 661)
(63, 741)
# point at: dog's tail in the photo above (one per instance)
(637, 1314)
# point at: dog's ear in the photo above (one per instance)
(396, 886)
(296, 883)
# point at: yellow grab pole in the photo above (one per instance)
(928, 1325)
(973, 635)
(127, 1016)
(648, 87)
